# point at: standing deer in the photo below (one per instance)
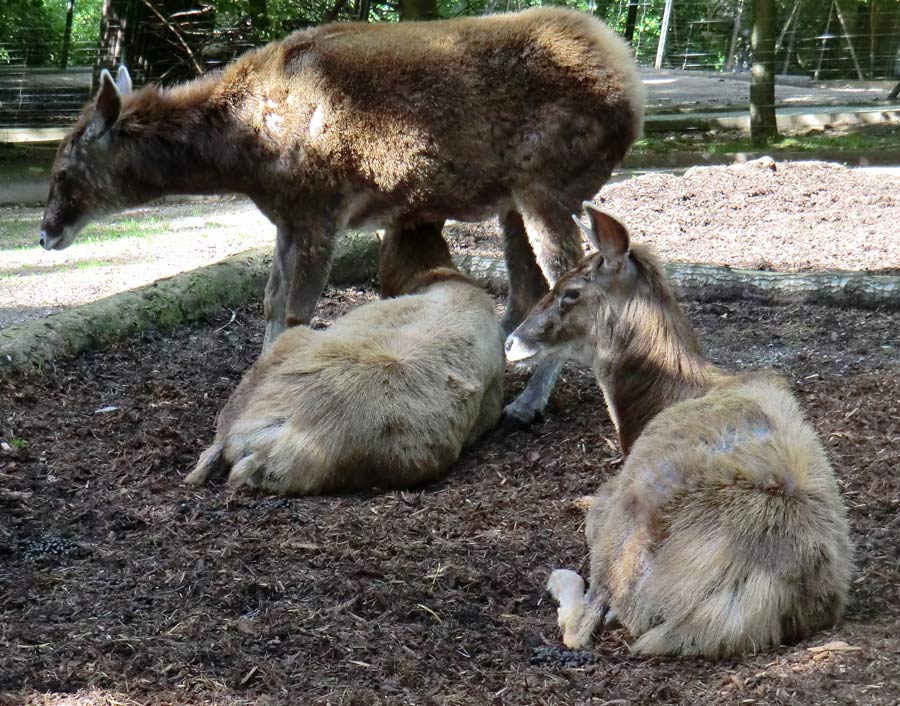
(724, 531)
(388, 396)
(376, 125)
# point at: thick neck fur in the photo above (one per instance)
(414, 259)
(655, 359)
(186, 139)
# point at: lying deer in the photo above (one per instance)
(376, 125)
(387, 397)
(724, 531)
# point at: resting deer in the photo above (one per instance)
(724, 532)
(387, 397)
(376, 125)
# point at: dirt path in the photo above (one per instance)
(120, 585)
(126, 251)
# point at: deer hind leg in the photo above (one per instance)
(211, 463)
(245, 471)
(526, 281)
(300, 270)
(556, 247)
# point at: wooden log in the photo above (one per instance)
(194, 295)
(710, 283)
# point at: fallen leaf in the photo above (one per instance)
(835, 646)
(246, 626)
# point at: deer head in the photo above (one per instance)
(577, 319)
(83, 182)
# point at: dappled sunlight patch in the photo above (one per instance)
(119, 253)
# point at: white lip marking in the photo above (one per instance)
(517, 350)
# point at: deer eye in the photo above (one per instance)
(570, 295)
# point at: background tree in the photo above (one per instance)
(763, 125)
(418, 9)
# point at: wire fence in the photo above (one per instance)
(170, 40)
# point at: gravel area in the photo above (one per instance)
(789, 216)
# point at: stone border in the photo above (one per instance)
(232, 282)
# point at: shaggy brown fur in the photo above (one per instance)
(724, 532)
(366, 125)
(387, 397)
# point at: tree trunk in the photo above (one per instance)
(735, 31)
(157, 39)
(631, 20)
(763, 125)
(418, 10)
(117, 32)
(67, 35)
(259, 15)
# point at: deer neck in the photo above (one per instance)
(186, 140)
(655, 362)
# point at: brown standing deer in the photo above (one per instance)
(388, 396)
(724, 532)
(376, 125)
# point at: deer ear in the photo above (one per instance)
(123, 81)
(610, 236)
(106, 108)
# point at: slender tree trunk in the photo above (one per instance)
(418, 9)
(631, 20)
(259, 15)
(763, 125)
(67, 35)
(735, 31)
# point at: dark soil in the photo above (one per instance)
(757, 215)
(118, 584)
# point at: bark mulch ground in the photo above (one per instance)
(120, 585)
(758, 215)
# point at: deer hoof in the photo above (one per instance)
(519, 416)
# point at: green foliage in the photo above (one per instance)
(31, 31)
(700, 32)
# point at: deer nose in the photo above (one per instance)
(43, 238)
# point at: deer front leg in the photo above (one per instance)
(579, 614)
(556, 247)
(300, 269)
